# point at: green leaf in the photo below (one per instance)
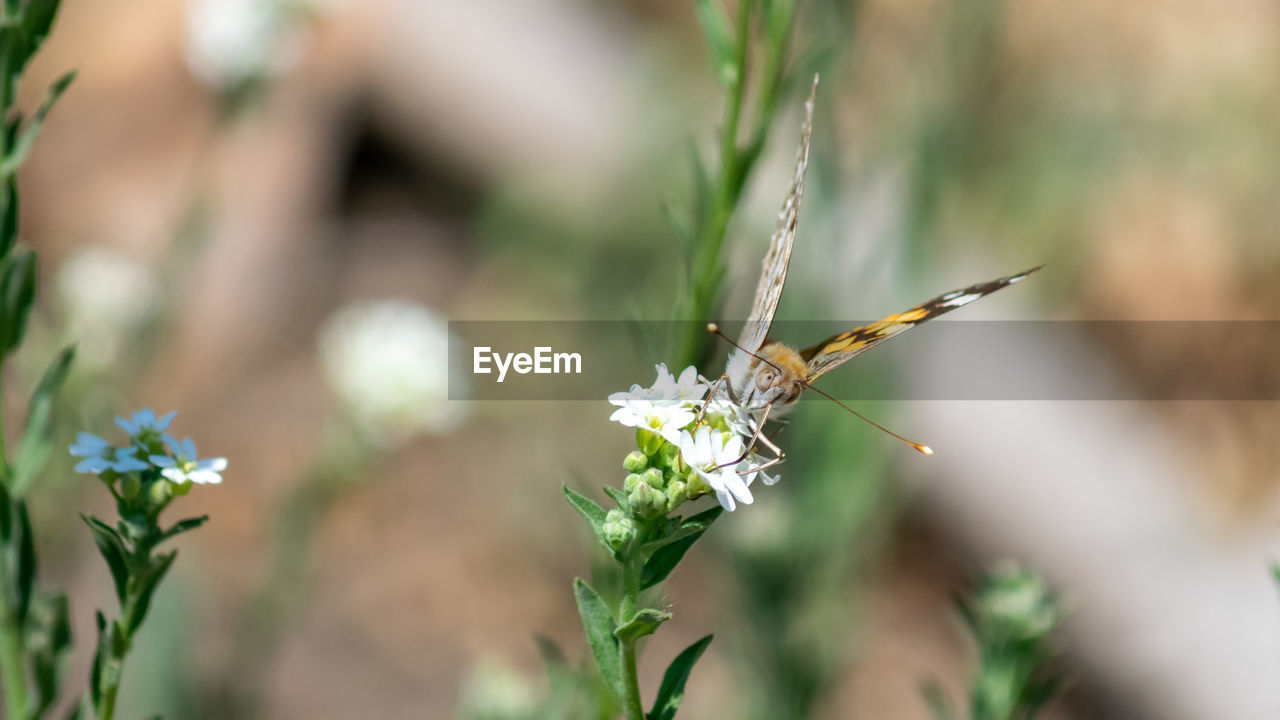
(183, 526)
(671, 692)
(149, 581)
(48, 640)
(643, 623)
(594, 514)
(6, 514)
(37, 439)
(105, 642)
(936, 700)
(680, 533)
(598, 622)
(24, 569)
(113, 551)
(8, 216)
(618, 497)
(27, 138)
(552, 656)
(664, 559)
(720, 41)
(17, 292)
(36, 21)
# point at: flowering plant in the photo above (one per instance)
(687, 446)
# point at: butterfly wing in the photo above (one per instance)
(774, 273)
(837, 349)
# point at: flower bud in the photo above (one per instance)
(160, 491)
(1016, 602)
(696, 487)
(647, 502)
(130, 486)
(654, 477)
(648, 441)
(635, 462)
(668, 457)
(618, 529)
(677, 493)
(630, 483)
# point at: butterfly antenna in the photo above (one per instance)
(924, 449)
(714, 329)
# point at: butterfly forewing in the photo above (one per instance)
(837, 349)
(774, 273)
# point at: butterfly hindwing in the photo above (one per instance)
(837, 349)
(776, 260)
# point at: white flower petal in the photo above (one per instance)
(734, 484)
(726, 500)
(204, 477)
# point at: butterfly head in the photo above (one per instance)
(774, 376)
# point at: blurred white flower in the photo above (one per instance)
(183, 466)
(107, 297)
(388, 362)
(496, 691)
(233, 42)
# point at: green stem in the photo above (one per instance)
(111, 671)
(13, 641)
(13, 666)
(706, 262)
(632, 705)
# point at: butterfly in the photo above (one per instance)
(765, 378)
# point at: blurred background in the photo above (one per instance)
(233, 189)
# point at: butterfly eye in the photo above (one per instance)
(764, 379)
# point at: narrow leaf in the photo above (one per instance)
(618, 496)
(113, 551)
(671, 692)
(936, 700)
(37, 440)
(552, 656)
(25, 580)
(598, 622)
(149, 581)
(720, 41)
(17, 291)
(594, 514)
(36, 21)
(643, 623)
(664, 559)
(184, 526)
(27, 138)
(8, 216)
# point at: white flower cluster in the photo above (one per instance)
(711, 449)
(175, 460)
(388, 362)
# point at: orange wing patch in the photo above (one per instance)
(838, 349)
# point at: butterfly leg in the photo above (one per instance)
(702, 412)
(758, 436)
